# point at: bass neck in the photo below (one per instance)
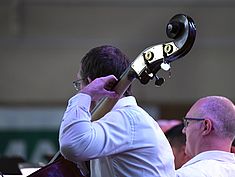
(106, 104)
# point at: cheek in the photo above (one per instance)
(190, 140)
(84, 84)
(187, 149)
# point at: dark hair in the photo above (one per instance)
(103, 61)
(175, 135)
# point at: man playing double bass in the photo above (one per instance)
(126, 141)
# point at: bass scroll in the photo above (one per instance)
(182, 32)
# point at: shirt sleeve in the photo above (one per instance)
(80, 139)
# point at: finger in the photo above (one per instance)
(110, 82)
(110, 78)
(111, 94)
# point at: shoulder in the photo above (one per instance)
(194, 170)
(206, 167)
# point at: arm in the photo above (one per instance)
(81, 139)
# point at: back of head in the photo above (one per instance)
(177, 140)
(175, 136)
(220, 111)
(103, 61)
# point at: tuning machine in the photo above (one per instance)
(159, 81)
(165, 66)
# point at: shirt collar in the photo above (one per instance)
(212, 155)
(125, 101)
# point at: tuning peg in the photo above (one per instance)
(174, 29)
(165, 66)
(159, 81)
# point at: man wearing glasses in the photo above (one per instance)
(210, 130)
(124, 142)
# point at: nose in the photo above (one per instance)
(184, 130)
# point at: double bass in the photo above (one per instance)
(181, 29)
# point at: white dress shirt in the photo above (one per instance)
(209, 164)
(127, 141)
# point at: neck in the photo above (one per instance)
(215, 144)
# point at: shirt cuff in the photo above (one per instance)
(81, 100)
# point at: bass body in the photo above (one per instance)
(182, 30)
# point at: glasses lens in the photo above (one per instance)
(77, 84)
(185, 122)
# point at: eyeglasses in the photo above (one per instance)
(187, 119)
(77, 84)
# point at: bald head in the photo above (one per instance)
(219, 110)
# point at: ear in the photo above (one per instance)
(207, 127)
(89, 80)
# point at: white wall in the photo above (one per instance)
(42, 42)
